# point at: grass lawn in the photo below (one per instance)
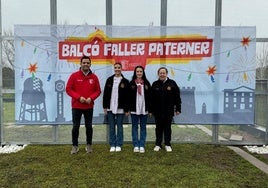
(189, 165)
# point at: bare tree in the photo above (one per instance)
(8, 49)
(8, 58)
(262, 62)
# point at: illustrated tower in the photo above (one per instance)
(33, 106)
(188, 99)
(60, 88)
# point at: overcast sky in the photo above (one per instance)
(138, 12)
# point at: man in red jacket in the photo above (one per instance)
(84, 88)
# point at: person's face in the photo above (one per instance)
(85, 65)
(117, 69)
(162, 74)
(139, 73)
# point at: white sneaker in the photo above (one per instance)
(142, 150)
(157, 148)
(112, 149)
(168, 148)
(117, 148)
(136, 150)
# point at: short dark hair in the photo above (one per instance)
(162, 68)
(85, 57)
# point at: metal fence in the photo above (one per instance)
(61, 134)
(211, 134)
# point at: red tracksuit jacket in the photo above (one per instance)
(80, 85)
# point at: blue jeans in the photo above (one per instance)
(136, 119)
(115, 138)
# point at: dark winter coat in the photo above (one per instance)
(123, 92)
(166, 98)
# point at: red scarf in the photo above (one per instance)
(139, 83)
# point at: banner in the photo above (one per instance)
(213, 66)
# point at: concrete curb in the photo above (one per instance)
(256, 162)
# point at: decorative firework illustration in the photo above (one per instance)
(49, 47)
(243, 70)
(211, 71)
(32, 69)
(245, 42)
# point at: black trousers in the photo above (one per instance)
(88, 115)
(163, 128)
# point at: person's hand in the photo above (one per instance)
(105, 111)
(150, 115)
(82, 99)
(127, 113)
(88, 100)
(177, 113)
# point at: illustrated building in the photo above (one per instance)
(240, 99)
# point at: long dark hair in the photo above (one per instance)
(143, 75)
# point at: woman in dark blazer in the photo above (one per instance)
(166, 103)
(115, 105)
(139, 106)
